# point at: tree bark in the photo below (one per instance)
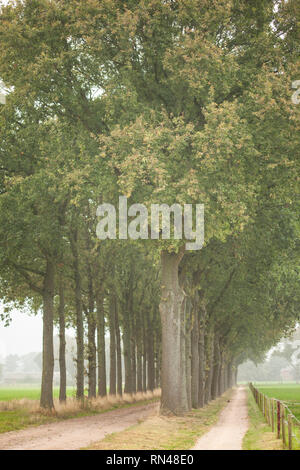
(221, 377)
(209, 366)
(92, 355)
(62, 345)
(195, 359)
(235, 375)
(173, 400)
(102, 387)
(139, 353)
(188, 350)
(119, 353)
(157, 359)
(229, 375)
(216, 370)
(91, 320)
(127, 351)
(144, 357)
(133, 353)
(112, 347)
(201, 389)
(46, 400)
(79, 318)
(150, 362)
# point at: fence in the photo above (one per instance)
(280, 418)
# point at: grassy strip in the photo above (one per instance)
(166, 433)
(259, 435)
(31, 393)
(21, 418)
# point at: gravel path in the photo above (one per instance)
(228, 433)
(73, 434)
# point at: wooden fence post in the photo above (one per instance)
(278, 419)
(283, 425)
(272, 414)
(290, 432)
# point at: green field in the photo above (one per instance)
(287, 392)
(31, 393)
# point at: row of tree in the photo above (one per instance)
(161, 101)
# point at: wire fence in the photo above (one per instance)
(280, 418)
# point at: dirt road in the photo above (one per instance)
(228, 433)
(73, 434)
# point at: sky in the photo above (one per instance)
(23, 335)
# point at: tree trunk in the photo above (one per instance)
(235, 375)
(150, 363)
(112, 347)
(139, 353)
(201, 390)
(102, 390)
(229, 375)
(79, 318)
(119, 353)
(209, 366)
(92, 351)
(216, 370)
(127, 352)
(183, 354)
(144, 357)
(46, 400)
(62, 345)
(173, 399)
(92, 355)
(225, 377)
(133, 355)
(195, 358)
(157, 359)
(188, 351)
(221, 377)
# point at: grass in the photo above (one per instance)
(289, 393)
(166, 433)
(19, 419)
(259, 435)
(31, 393)
(16, 414)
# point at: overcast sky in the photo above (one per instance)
(23, 335)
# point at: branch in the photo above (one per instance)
(28, 279)
(225, 287)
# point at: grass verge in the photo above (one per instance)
(21, 414)
(166, 433)
(259, 435)
(29, 392)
